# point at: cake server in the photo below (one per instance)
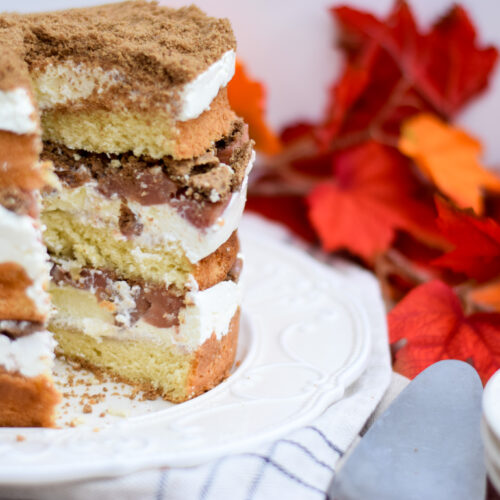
(427, 444)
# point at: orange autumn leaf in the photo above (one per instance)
(449, 158)
(486, 296)
(248, 99)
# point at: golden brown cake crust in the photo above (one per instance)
(18, 158)
(194, 136)
(27, 401)
(213, 360)
(14, 303)
(146, 42)
(216, 266)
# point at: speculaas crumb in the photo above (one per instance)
(143, 40)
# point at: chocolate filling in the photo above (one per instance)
(15, 329)
(199, 188)
(153, 303)
(129, 225)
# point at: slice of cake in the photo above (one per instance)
(152, 167)
(27, 394)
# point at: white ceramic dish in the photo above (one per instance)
(304, 340)
(490, 428)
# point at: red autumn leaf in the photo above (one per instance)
(476, 241)
(289, 210)
(458, 70)
(394, 71)
(296, 131)
(431, 320)
(371, 197)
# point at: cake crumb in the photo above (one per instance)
(76, 421)
(20, 438)
(87, 408)
(117, 413)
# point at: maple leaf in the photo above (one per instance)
(448, 156)
(287, 209)
(393, 72)
(458, 70)
(248, 99)
(431, 320)
(476, 242)
(371, 197)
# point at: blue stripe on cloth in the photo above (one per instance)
(268, 461)
(210, 479)
(335, 448)
(308, 453)
(256, 481)
(286, 473)
(160, 492)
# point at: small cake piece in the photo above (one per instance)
(27, 394)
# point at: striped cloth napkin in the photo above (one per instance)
(298, 466)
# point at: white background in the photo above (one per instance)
(290, 45)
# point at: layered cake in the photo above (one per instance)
(140, 223)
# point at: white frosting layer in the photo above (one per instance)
(31, 355)
(162, 223)
(198, 94)
(20, 242)
(210, 312)
(67, 82)
(17, 112)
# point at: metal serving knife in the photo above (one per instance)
(426, 446)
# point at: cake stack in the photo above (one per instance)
(152, 166)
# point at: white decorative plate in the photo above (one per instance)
(303, 341)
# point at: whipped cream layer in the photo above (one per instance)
(209, 312)
(17, 113)
(69, 82)
(162, 224)
(197, 95)
(20, 242)
(30, 356)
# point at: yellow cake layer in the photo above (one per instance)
(87, 245)
(171, 371)
(164, 368)
(143, 133)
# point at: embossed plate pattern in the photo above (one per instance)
(304, 340)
